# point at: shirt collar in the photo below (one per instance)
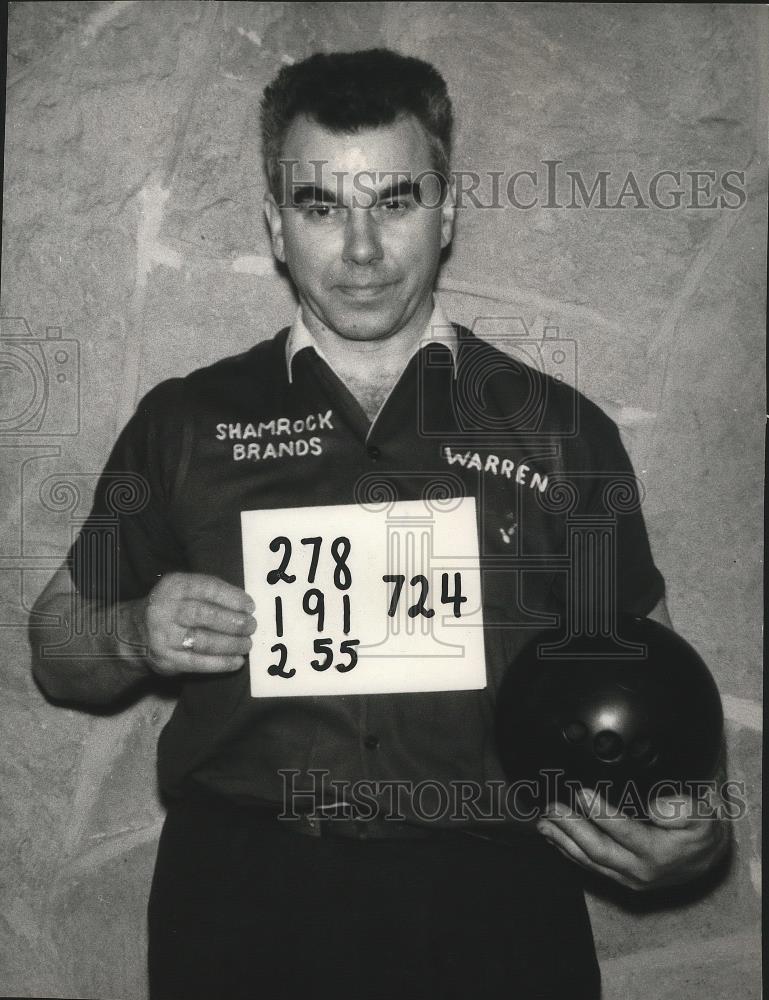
(438, 331)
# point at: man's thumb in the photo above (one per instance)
(671, 812)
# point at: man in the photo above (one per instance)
(359, 209)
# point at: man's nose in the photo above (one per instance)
(362, 244)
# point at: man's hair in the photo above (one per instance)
(348, 91)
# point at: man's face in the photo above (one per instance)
(362, 252)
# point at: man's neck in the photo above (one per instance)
(371, 369)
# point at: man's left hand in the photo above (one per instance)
(673, 847)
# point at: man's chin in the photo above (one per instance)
(358, 326)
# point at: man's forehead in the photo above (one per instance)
(400, 146)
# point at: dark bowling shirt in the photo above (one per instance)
(541, 460)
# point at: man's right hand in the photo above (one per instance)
(195, 623)
(100, 667)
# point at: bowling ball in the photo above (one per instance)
(599, 714)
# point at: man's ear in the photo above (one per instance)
(275, 225)
(448, 213)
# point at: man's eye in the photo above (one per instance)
(394, 205)
(320, 211)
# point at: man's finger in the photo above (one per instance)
(196, 613)
(572, 850)
(672, 813)
(600, 848)
(203, 642)
(216, 591)
(197, 663)
(625, 830)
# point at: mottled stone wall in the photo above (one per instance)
(132, 221)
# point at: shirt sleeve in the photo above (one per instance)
(128, 541)
(609, 542)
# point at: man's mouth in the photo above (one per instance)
(370, 291)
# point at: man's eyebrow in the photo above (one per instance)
(314, 194)
(307, 194)
(403, 187)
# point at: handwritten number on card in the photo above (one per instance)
(346, 648)
(346, 614)
(322, 646)
(419, 608)
(280, 573)
(398, 579)
(340, 550)
(313, 603)
(278, 669)
(316, 543)
(456, 599)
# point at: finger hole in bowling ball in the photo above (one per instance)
(642, 751)
(608, 746)
(575, 732)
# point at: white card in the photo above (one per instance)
(365, 599)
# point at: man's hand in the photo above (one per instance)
(196, 624)
(672, 848)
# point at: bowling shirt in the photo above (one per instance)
(275, 427)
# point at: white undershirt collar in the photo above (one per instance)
(438, 331)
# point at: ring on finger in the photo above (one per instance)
(189, 639)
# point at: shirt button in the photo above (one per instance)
(371, 742)
(374, 453)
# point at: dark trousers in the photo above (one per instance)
(240, 909)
